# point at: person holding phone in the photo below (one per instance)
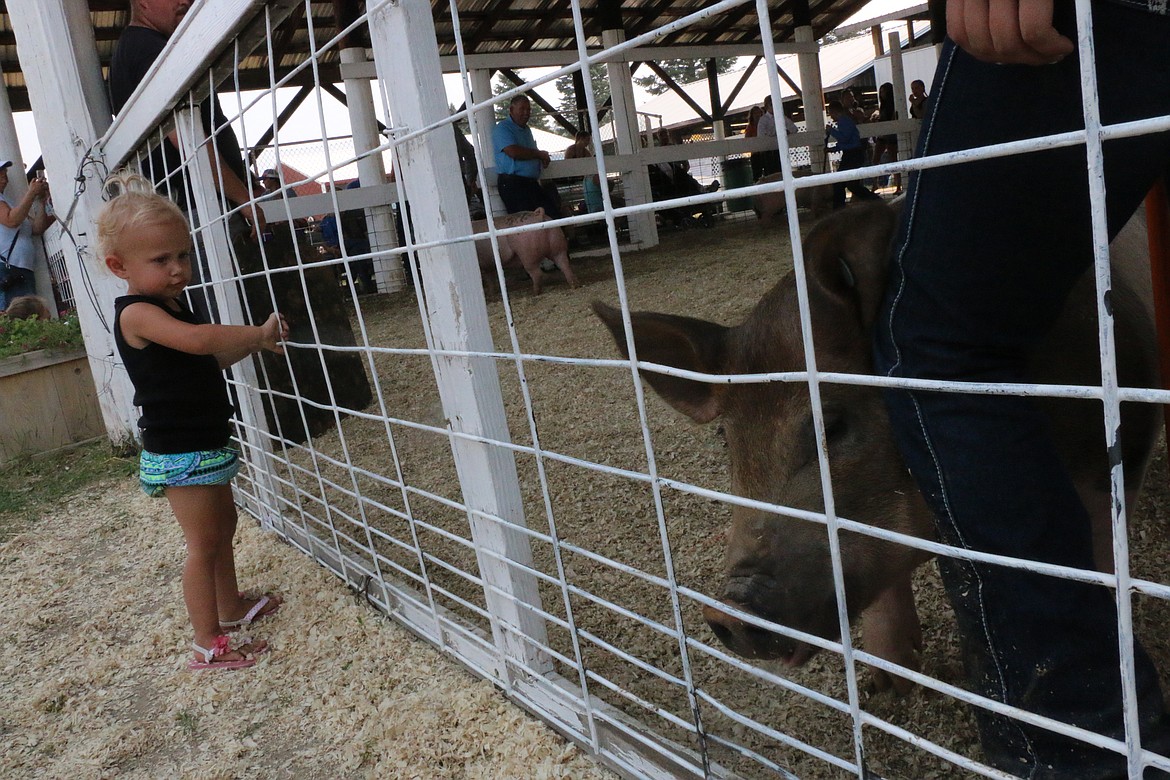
(20, 220)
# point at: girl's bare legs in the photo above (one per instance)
(227, 589)
(207, 515)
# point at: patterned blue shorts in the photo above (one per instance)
(207, 467)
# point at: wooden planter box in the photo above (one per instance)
(47, 401)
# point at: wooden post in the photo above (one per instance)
(406, 54)
(898, 78)
(717, 113)
(636, 183)
(485, 120)
(814, 101)
(59, 59)
(359, 99)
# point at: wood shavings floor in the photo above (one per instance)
(94, 683)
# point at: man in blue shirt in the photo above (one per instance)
(519, 162)
(844, 131)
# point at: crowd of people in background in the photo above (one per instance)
(843, 135)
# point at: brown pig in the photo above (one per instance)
(525, 249)
(770, 205)
(778, 567)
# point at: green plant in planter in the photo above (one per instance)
(20, 336)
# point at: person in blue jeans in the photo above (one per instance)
(985, 255)
(847, 141)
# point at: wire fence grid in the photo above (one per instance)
(503, 484)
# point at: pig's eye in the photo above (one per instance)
(721, 435)
(836, 426)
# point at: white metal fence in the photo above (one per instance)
(488, 473)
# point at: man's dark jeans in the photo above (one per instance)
(852, 159)
(521, 193)
(985, 257)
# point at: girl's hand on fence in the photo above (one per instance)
(273, 333)
(1008, 32)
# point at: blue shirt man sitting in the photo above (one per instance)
(519, 162)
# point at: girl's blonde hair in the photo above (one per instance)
(131, 202)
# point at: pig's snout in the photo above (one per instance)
(742, 638)
(751, 641)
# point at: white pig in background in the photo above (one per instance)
(527, 249)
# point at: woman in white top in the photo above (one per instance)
(18, 225)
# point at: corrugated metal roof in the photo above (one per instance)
(841, 62)
(486, 25)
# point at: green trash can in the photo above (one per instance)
(737, 172)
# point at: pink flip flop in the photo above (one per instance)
(222, 645)
(253, 614)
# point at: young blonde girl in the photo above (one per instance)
(176, 363)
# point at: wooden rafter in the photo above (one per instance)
(285, 113)
(487, 26)
(682, 93)
(552, 111)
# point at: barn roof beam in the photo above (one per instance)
(283, 117)
(739, 85)
(676, 89)
(713, 86)
(562, 57)
(548, 18)
(731, 19)
(283, 40)
(788, 80)
(480, 25)
(647, 19)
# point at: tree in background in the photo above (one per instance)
(568, 95)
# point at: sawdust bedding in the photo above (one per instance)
(94, 683)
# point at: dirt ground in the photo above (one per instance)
(94, 683)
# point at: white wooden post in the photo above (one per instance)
(406, 54)
(216, 243)
(359, 98)
(898, 77)
(636, 183)
(59, 59)
(485, 120)
(814, 100)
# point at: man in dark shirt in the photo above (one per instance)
(152, 22)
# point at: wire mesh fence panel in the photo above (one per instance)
(659, 562)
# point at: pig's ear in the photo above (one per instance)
(848, 259)
(681, 342)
